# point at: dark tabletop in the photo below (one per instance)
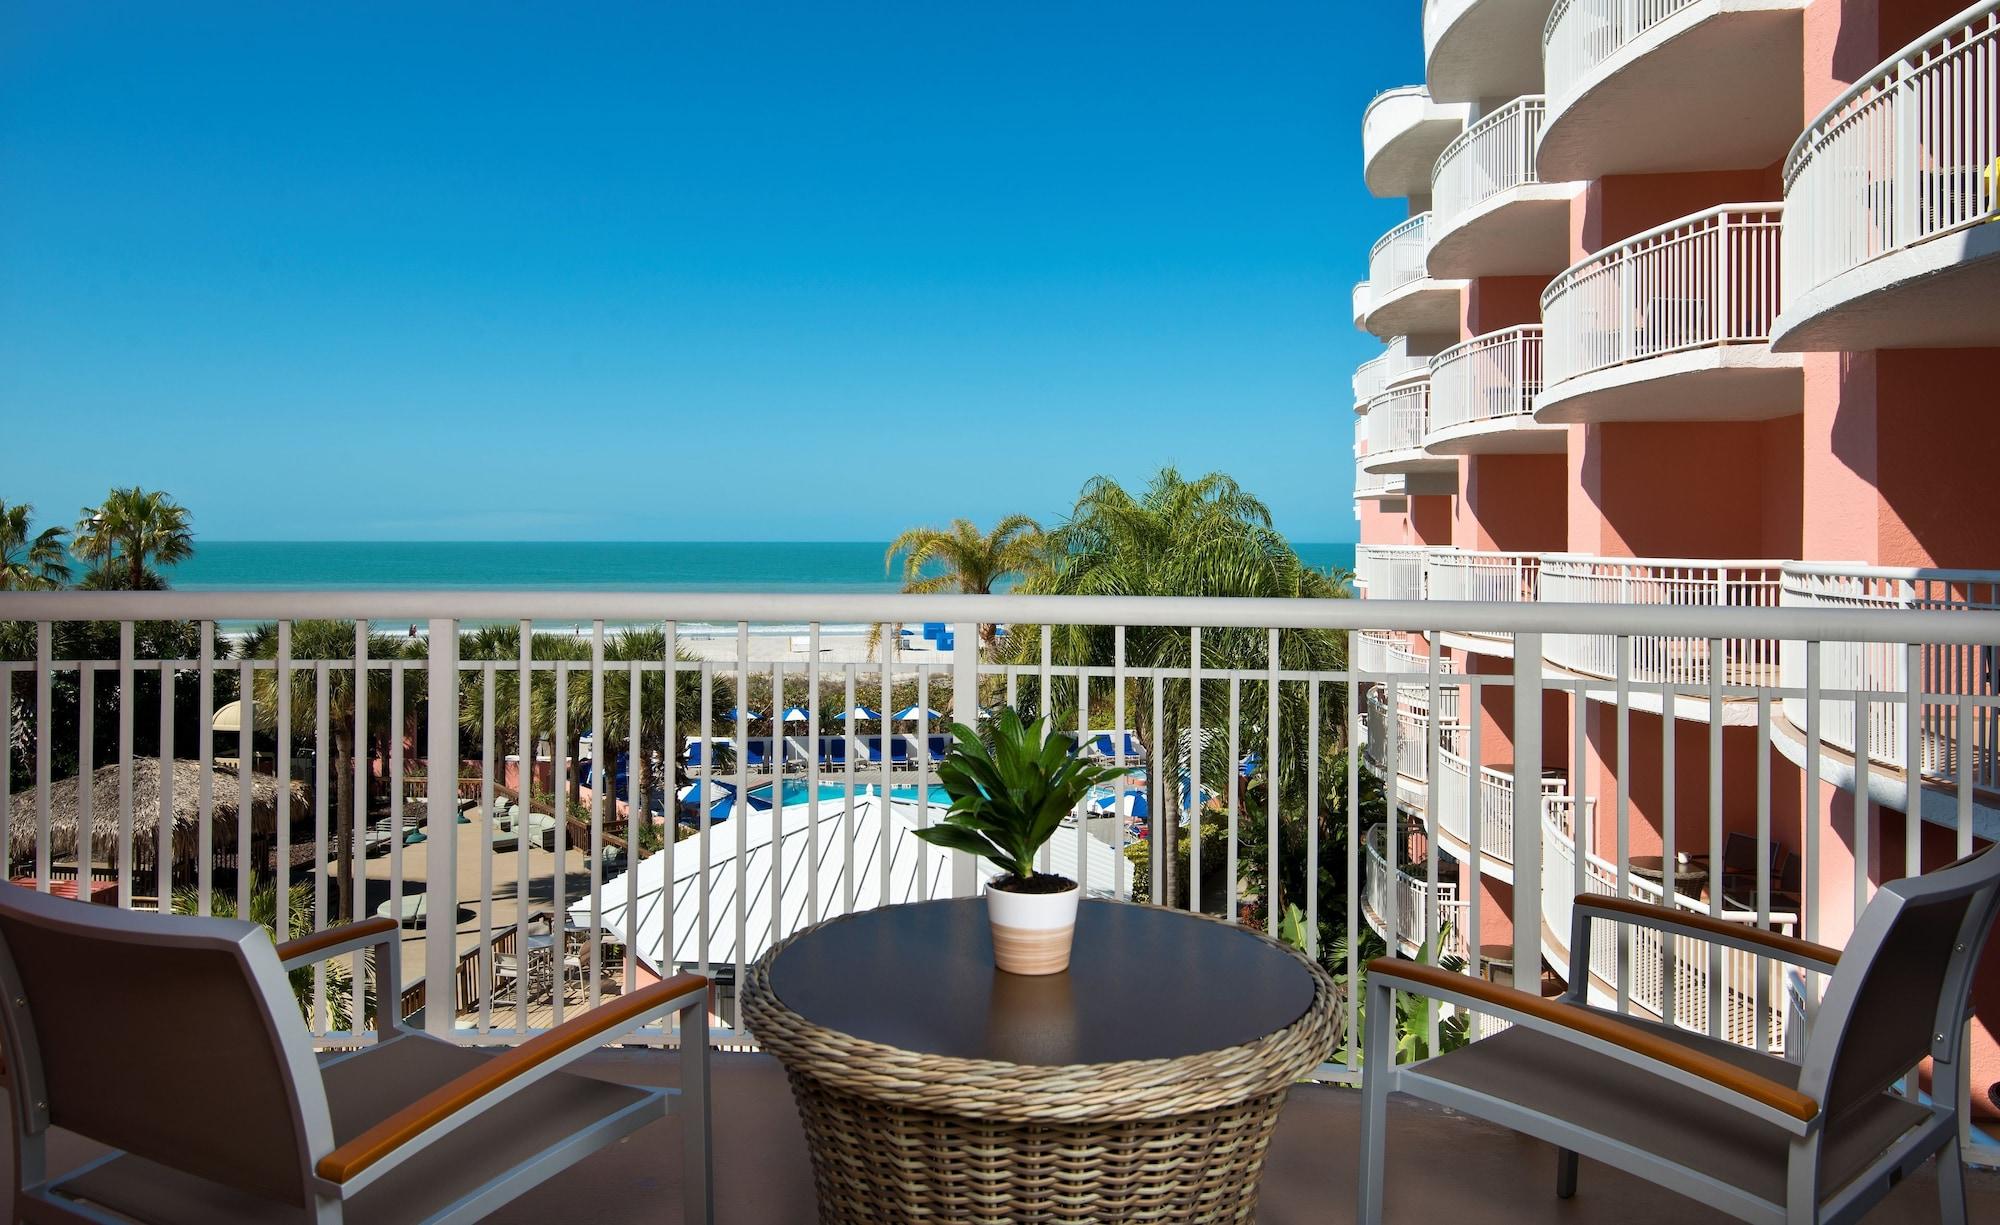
(1143, 983)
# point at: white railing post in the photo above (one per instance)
(1527, 915)
(440, 835)
(965, 709)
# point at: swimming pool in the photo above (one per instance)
(798, 791)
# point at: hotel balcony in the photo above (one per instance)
(1397, 421)
(1491, 214)
(1401, 905)
(1394, 364)
(824, 833)
(1655, 86)
(1672, 325)
(1954, 739)
(1377, 486)
(1888, 196)
(1482, 397)
(1402, 133)
(1482, 577)
(1476, 49)
(1494, 804)
(1390, 571)
(1403, 298)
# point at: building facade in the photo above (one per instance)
(1696, 304)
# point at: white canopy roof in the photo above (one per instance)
(1106, 875)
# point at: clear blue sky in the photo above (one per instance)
(719, 271)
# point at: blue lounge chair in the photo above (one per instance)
(939, 746)
(899, 751)
(833, 750)
(874, 747)
(756, 751)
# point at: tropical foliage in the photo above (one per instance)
(130, 534)
(298, 922)
(1417, 1016)
(30, 560)
(1010, 797)
(965, 560)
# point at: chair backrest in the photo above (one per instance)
(173, 1038)
(1901, 990)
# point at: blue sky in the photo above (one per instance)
(722, 271)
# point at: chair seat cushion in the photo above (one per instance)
(1551, 1076)
(533, 1127)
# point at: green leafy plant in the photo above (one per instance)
(1010, 798)
(1415, 1014)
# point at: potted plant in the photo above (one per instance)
(1006, 802)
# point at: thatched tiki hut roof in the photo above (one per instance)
(66, 807)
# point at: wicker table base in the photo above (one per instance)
(900, 1136)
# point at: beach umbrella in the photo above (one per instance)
(751, 715)
(859, 713)
(796, 714)
(66, 810)
(910, 714)
(1129, 803)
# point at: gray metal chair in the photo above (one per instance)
(177, 1042)
(1757, 1136)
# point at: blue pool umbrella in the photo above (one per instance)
(909, 714)
(752, 715)
(859, 713)
(796, 714)
(722, 801)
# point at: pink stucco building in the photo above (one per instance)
(1697, 303)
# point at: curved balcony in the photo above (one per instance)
(1685, 663)
(1403, 735)
(1400, 900)
(1751, 990)
(1397, 420)
(1460, 574)
(1672, 325)
(1951, 740)
(1371, 376)
(1491, 214)
(1477, 49)
(1495, 808)
(1376, 486)
(1652, 86)
(1390, 571)
(1886, 194)
(1361, 299)
(1402, 132)
(1403, 298)
(1482, 399)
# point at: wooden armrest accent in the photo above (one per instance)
(328, 937)
(1788, 946)
(454, 1095)
(1594, 1024)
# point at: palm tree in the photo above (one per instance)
(1205, 537)
(333, 641)
(29, 560)
(967, 560)
(141, 529)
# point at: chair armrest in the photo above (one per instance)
(333, 941)
(1708, 927)
(508, 1072)
(1556, 1016)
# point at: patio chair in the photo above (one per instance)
(835, 748)
(1757, 1136)
(233, 1117)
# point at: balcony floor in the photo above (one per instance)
(1442, 1167)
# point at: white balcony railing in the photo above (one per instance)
(1494, 377)
(1400, 901)
(1581, 35)
(1663, 659)
(1371, 376)
(1461, 574)
(348, 794)
(1495, 806)
(1952, 740)
(1397, 259)
(1398, 417)
(1390, 571)
(1702, 281)
(1907, 154)
(1375, 484)
(1495, 155)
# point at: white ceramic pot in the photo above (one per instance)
(1032, 931)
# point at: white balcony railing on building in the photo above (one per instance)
(1673, 582)
(1907, 154)
(1397, 259)
(1705, 280)
(1580, 35)
(349, 797)
(1488, 578)
(1374, 484)
(1494, 377)
(1390, 571)
(1399, 416)
(1954, 743)
(1422, 913)
(1495, 155)
(1494, 804)
(1371, 376)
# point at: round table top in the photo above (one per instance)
(1654, 867)
(1144, 982)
